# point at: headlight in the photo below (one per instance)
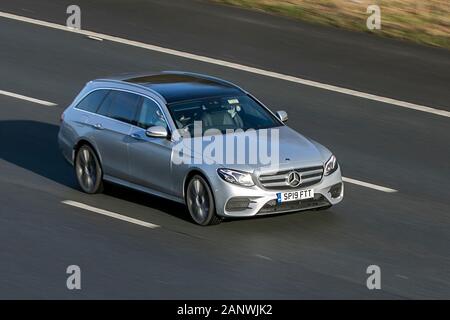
(331, 165)
(236, 177)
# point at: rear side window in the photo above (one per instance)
(103, 110)
(92, 101)
(121, 106)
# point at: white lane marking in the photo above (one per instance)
(263, 257)
(95, 38)
(19, 96)
(368, 185)
(276, 75)
(109, 214)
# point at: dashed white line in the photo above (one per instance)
(22, 97)
(263, 257)
(152, 226)
(110, 214)
(95, 38)
(223, 63)
(368, 185)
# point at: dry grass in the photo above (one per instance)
(426, 21)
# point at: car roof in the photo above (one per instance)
(176, 86)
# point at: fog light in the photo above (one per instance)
(238, 204)
(336, 190)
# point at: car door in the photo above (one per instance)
(111, 131)
(150, 158)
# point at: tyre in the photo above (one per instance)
(200, 202)
(88, 170)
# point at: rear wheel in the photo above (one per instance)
(200, 202)
(88, 170)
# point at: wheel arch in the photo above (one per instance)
(188, 177)
(214, 219)
(84, 141)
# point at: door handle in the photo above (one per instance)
(98, 126)
(136, 136)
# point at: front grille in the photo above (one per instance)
(278, 181)
(273, 206)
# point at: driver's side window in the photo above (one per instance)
(150, 115)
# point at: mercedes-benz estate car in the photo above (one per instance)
(126, 129)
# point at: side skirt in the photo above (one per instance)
(143, 189)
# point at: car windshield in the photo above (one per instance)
(222, 113)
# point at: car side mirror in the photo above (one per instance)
(282, 115)
(157, 132)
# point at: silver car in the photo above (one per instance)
(127, 130)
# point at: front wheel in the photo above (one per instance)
(88, 170)
(200, 202)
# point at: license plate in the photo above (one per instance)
(295, 195)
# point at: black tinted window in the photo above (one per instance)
(121, 106)
(103, 110)
(92, 100)
(150, 115)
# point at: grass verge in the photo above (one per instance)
(424, 22)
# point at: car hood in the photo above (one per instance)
(291, 150)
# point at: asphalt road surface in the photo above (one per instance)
(314, 254)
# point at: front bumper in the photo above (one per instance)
(258, 201)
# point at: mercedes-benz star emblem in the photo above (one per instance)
(294, 179)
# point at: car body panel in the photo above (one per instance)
(151, 161)
(131, 158)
